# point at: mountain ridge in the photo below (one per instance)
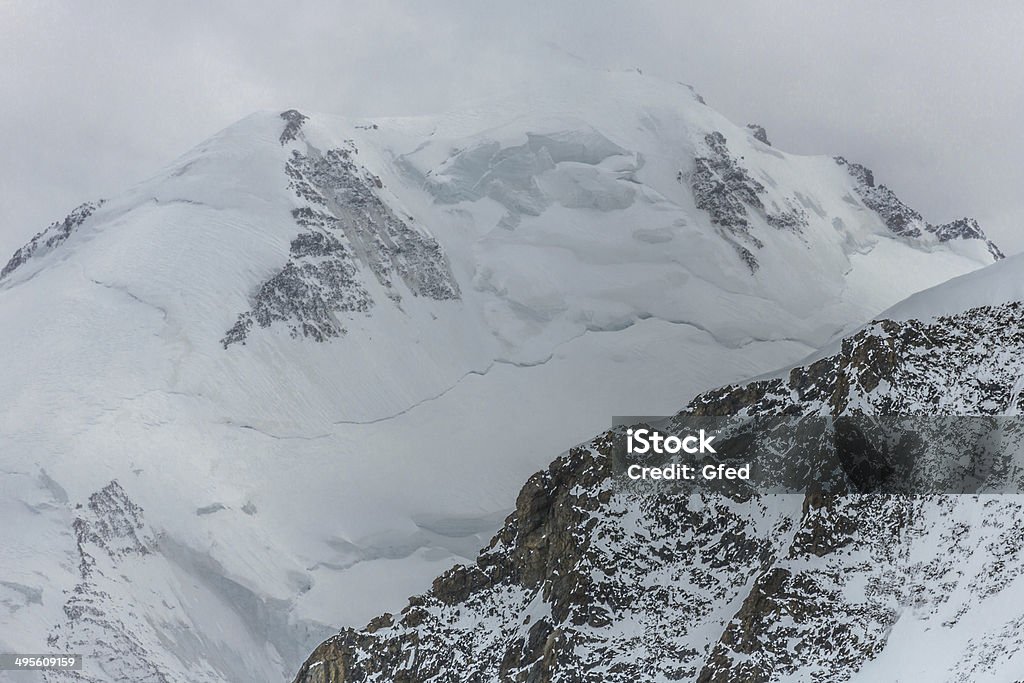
(591, 579)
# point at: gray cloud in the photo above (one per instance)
(98, 95)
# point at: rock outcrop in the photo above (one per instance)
(51, 238)
(347, 229)
(594, 578)
(905, 221)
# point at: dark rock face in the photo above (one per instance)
(316, 284)
(293, 124)
(961, 228)
(759, 133)
(905, 221)
(897, 216)
(109, 530)
(594, 579)
(114, 524)
(347, 228)
(51, 238)
(724, 188)
(965, 229)
(863, 175)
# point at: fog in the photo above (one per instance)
(99, 95)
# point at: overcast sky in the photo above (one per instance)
(96, 95)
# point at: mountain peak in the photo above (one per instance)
(325, 321)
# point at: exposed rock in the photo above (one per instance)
(897, 216)
(965, 229)
(696, 95)
(293, 124)
(318, 283)
(347, 228)
(905, 221)
(594, 579)
(108, 531)
(51, 238)
(724, 188)
(759, 133)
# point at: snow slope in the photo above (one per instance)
(997, 284)
(283, 383)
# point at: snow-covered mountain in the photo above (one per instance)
(594, 579)
(282, 384)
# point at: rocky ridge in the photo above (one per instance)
(109, 530)
(346, 228)
(725, 189)
(594, 579)
(52, 237)
(905, 221)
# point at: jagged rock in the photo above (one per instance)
(793, 219)
(347, 227)
(307, 294)
(592, 579)
(108, 531)
(293, 124)
(905, 221)
(862, 174)
(965, 229)
(759, 133)
(897, 216)
(726, 190)
(113, 525)
(52, 237)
